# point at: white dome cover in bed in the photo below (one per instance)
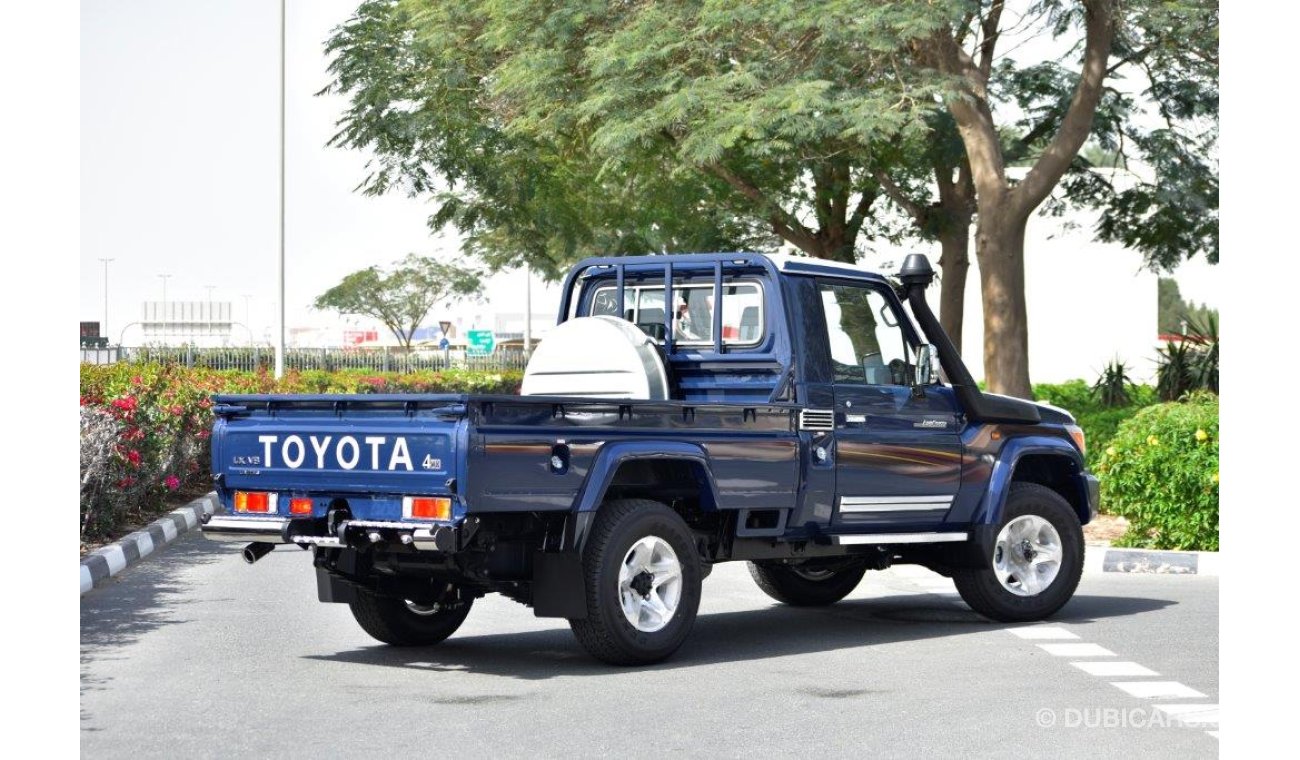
(601, 357)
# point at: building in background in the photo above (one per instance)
(202, 323)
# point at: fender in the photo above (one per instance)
(603, 468)
(558, 584)
(988, 515)
(990, 509)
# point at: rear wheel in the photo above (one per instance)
(1035, 562)
(404, 623)
(643, 578)
(810, 583)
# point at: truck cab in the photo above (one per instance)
(807, 417)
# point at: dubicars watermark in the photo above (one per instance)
(1119, 717)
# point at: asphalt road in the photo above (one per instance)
(195, 654)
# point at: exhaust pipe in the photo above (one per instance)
(257, 550)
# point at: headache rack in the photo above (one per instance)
(667, 266)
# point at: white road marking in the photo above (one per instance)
(1157, 689)
(1077, 650)
(1113, 668)
(87, 582)
(1192, 714)
(1215, 734)
(1042, 632)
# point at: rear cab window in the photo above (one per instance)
(743, 313)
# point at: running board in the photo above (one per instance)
(896, 538)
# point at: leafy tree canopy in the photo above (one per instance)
(402, 297)
(1157, 117)
(551, 130)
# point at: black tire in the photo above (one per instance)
(606, 633)
(981, 589)
(392, 621)
(812, 583)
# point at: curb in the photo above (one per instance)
(1098, 559)
(107, 561)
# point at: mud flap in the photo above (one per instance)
(558, 586)
(332, 589)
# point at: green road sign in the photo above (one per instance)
(480, 342)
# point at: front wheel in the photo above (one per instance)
(1035, 562)
(810, 583)
(404, 623)
(642, 575)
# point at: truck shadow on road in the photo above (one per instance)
(728, 637)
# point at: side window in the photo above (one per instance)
(867, 343)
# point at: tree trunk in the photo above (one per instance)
(1000, 248)
(954, 261)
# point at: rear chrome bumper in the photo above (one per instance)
(439, 537)
(245, 529)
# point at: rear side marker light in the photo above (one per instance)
(426, 508)
(300, 506)
(259, 502)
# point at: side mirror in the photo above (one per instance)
(925, 364)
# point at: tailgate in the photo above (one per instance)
(367, 444)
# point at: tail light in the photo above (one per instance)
(255, 502)
(426, 508)
(300, 506)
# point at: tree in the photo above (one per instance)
(1155, 37)
(1174, 313)
(563, 126)
(418, 77)
(566, 126)
(402, 297)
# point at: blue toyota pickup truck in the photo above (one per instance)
(686, 410)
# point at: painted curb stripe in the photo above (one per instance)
(115, 558)
(1149, 562)
(107, 561)
(98, 568)
(144, 543)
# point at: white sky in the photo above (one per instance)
(179, 167)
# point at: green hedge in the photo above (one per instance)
(145, 427)
(1161, 472)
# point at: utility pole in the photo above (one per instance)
(279, 332)
(105, 330)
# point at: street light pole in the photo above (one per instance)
(106, 261)
(279, 340)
